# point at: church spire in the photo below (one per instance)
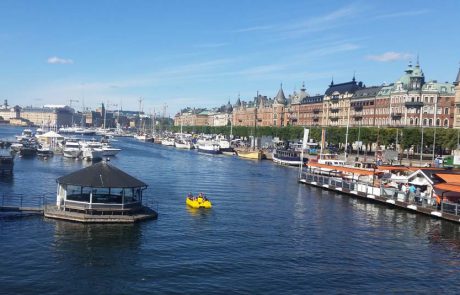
(457, 81)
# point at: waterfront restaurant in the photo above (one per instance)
(100, 193)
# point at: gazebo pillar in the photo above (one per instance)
(91, 199)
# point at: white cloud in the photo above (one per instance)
(390, 56)
(402, 14)
(59, 60)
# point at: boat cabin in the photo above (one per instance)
(330, 159)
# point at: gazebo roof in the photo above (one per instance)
(101, 174)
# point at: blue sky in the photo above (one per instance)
(203, 53)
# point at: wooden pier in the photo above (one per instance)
(447, 211)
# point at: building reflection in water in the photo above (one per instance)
(96, 244)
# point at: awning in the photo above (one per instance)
(448, 187)
(449, 177)
(342, 169)
(392, 168)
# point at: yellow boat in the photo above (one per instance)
(248, 154)
(198, 202)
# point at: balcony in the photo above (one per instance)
(316, 119)
(315, 111)
(413, 104)
(358, 117)
(358, 108)
(334, 99)
(396, 116)
(334, 118)
(335, 110)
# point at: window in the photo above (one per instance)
(411, 122)
(430, 122)
(446, 123)
(446, 111)
(416, 121)
(438, 122)
(424, 122)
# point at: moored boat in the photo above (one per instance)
(167, 141)
(208, 147)
(109, 151)
(44, 151)
(250, 154)
(288, 157)
(184, 144)
(71, 149)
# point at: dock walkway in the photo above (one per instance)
(387, 196)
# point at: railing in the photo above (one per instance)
(101, 206)
(390, 194)
(21, 202)
(413, 104)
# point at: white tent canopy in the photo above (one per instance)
(51, 134)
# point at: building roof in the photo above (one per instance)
(457, 80)
(280, 98)
(342, 88)
(367, 92)
(313, 99)
(101, 174)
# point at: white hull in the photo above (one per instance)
(186, 146)
(286, 162)
(72, 153)
(167, 142)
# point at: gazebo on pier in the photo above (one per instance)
(100, 193)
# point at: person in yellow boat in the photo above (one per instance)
(190, 196)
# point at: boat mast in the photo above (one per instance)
(255, 122)
(346, 134)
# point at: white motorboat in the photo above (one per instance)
(209, 147)
(44, 151)
(109, 151)
(72, 149)
(26, 134)
(184, 144)
(167, 141)
(92, 154)
(225, 147)
(16, 147)
(143, 137)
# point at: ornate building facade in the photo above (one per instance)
(410, 101)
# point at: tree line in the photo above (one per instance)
(406, 137)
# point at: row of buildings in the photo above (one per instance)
(410, 101)
(64, 116)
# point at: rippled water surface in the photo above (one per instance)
(265, 234)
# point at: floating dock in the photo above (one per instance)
(375, 194)
(144, 214)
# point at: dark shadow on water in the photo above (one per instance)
(7, 178)
(96, 245)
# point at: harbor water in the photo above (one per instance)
(266, 234)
